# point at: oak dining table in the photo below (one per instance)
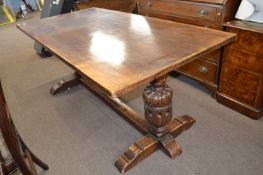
(112, 53)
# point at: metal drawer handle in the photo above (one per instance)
(203, 12)
(203, 69)
(149, 3)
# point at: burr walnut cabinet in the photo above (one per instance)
(241, 76)
(204, 13)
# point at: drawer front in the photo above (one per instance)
(237, 93)
(247, 41)
(213, 56)
(243, 60)
(184, 9)
(201, 69)
(240, 78)
(192, 21)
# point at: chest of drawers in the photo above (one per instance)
(204, 13)
(241, 77)
(118, 5)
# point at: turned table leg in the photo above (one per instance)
(158, 106)
(158, 113)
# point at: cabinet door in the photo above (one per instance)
(242, 68)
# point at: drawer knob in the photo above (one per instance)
(203, 69)
(203, 12)
(149, 3)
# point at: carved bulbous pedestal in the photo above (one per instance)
(158, 106)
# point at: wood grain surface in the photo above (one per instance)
(119, 51)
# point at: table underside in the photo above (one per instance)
(159, 129)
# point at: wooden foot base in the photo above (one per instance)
(171, 148)
(138, 151)
(148, 144)
(64, 84)
(158, 126)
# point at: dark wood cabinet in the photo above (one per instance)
(235, 76)
(119, 5)
(205, 13)
(241, 76)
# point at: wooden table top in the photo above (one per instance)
(119, 51)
